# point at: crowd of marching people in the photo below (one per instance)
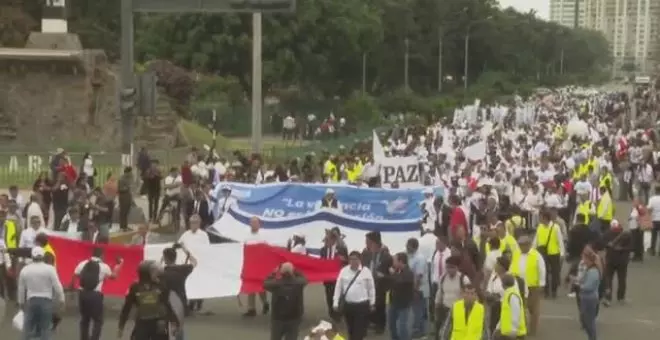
(527, 187)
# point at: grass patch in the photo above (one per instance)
(194, 134)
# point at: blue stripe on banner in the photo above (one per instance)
(399, 226)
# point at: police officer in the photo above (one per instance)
(154, 313)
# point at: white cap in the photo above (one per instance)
(38, 252)
(329, 191)
(322, 327)
(226, 187)
(427, 191)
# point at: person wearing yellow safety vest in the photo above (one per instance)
(605, 179)
(352, 171)
(605, 209)
(529, 265)
(549, 241)
(516, 225)
(512, 323)
(467, 318)
(586, 208)
(330, 171)
(9, 230)
(509, 242)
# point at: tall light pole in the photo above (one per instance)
(128, 7)
(406, 62)
(440, 33)
(466, 57)
(257, 98)
(466, 64)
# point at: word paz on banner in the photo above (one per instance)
(406, 173)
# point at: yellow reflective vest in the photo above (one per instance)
(473, 327)
(531, 274)
(547, 235)
(11, 234)
(506, 315)
(584, 208)
(605, 181)
(353, 175)
(605, 209)
(330, 170)
(513, 223)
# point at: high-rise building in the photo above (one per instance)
(563, 12)
(633, 29)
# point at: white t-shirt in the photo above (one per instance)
(491, 259)
(192, 239)
(654, 206)
(88, 167)
(104, 271)
(169, 180)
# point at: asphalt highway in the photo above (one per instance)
(639, 318)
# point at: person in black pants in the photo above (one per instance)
(353, 300)
(332, 249)
(125, 189)
(60, 195)
(617, 256)
(377, 258)
(152, 186)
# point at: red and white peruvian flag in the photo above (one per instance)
(226, 269)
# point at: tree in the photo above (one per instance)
(318, 53)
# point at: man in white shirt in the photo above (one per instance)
(450, 285)
(39, 289)
(355, 296)
(172, 185)
(329, 201)
(224, 202)
(90, 298)
(437, 267)
(645, 177)
(654, 208)
(195, 236)
(28, 235)
(256, 238)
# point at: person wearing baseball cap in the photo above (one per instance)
(39, 289)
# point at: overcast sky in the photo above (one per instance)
(542, 7)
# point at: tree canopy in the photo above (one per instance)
(324, 49)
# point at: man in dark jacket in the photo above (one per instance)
(402, 293)
(377, 258)
(578, 237)
(617, 256)
(333, 249)
(287, 289)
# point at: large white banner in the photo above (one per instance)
(404, 170)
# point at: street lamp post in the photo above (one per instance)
(466, 63)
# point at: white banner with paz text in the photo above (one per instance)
(403, 170)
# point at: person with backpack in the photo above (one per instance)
(155, 318)
(450, 286)
(90, 274)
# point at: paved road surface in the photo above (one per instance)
(639, 319)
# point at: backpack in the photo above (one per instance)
(89, 275)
